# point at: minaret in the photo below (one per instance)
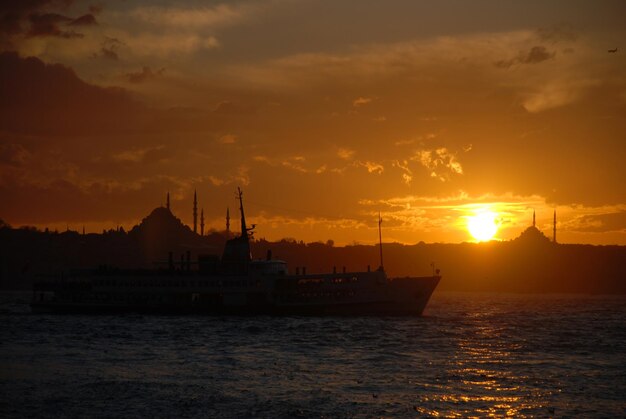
(202, 222)
(554, 229)
(195, 212)
(534, 225)
(167, 203)
(227, 222)
(380, 241)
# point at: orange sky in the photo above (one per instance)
(325, 113)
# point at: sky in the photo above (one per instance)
(324, 113)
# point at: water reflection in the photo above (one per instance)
(488, 375)
(472, 356)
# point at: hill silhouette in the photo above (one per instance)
(529, 263)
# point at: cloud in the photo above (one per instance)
(535, 55)
(216, 181)
(50, 99)
(31, 19)
(165, 45)
(556, 94)
(294, 165)
(420, 138)
(241, 175)
(437, 60)
(372, 167)
(49, 24)
(345, 153)
(558, 33)
(201, 17)
(361, 101)
(228, 139)
(145, 74)
(604, 220)
(95, 9)
(13, 154)
(262, 159)
(514, 213)
(403, 142)
(450, 212)
(137, 155)
(84, 20)
(407, 175)
(13, 14)
(109, 49)
(440, 162)
(310, 222)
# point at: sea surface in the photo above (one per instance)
(470, 355)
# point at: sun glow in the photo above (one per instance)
(482, 226)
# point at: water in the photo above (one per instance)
(470, 355)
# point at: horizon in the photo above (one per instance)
(209, 230)
(453, 121)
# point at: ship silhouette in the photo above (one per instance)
(234, 283)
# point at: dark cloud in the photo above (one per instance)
(145, 74)
(14, 13)
(95, 9)
(50, 98)
(603, 222)
(535, 55)
(84, 20)
(49, 24)
(31, 18)
(109, 49)
(558, 33)
(13, 154)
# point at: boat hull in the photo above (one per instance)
(399, 297)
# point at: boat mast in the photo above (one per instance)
(380, 241)
(244, 230)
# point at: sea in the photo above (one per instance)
(470, 355)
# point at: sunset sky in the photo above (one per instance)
(324, 112)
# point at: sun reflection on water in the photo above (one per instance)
(480, 380)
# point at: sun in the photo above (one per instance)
(482, 226)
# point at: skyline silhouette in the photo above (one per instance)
(226, 223)
(532, 262)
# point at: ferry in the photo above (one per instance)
(233, 284)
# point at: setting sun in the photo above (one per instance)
(482, 226)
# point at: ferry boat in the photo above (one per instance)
(233, 284)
